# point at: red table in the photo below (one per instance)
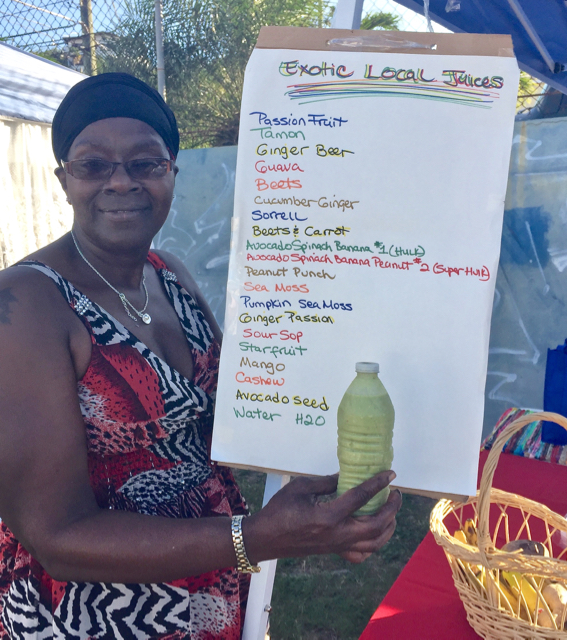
(423, 603)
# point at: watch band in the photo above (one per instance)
(242, 563)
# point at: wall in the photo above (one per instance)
(33, 210)
(198, 227)
(530, 306)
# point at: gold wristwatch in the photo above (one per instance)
(242, 563)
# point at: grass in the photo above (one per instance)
(327, 598)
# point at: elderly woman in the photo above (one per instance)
(116, 524)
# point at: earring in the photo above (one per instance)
(67, 198)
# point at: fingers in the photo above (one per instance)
(374, 531)
(316, 485)
(355, 557)
(357, 497)
(395, 499)
(370, 545)
(386, 512)
(360, 551)
(395, 496)
(384, 536)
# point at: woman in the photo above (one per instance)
(115, 522)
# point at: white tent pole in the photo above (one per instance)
(348, 14)
(532, 33)
(262, 584)
(159, 49)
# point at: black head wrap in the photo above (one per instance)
(111, 95)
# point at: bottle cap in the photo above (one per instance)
(367, 367)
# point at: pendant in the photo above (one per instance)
(146, 318)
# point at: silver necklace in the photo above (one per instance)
(146, 318)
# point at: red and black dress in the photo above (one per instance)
(148, 434)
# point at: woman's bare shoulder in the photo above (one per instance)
(32, 282)
(31, 298)
(26, 281)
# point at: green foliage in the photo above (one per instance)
(380, 20)
(54, 55)
(206, 45)
(529, 90)
(528, 84)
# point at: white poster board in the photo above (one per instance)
(370, 186)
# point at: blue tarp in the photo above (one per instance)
(547, 17)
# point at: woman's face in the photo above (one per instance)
(119, 212)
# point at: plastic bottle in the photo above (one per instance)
(365, 421)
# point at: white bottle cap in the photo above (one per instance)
(367, 367)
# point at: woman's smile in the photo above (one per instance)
(125, 213)
(123, 216)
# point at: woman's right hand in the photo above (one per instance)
(296, 523)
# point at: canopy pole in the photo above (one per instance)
(262, 584)
(88, 30)
(533, 35)
(159, 48)
(347, 15)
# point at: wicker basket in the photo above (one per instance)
(481, 573)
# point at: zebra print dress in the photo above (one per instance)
(148, 435)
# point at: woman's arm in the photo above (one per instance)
(47, 501)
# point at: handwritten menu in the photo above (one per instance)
(367, 220)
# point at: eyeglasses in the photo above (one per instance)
(98, 169)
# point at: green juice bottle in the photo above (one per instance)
(365, 421)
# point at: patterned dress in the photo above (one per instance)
(148, 435)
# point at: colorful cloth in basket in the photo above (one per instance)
(527, 442)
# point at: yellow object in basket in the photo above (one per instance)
(460, 536)
(523, 590)
(470, 531)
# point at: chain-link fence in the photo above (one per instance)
(71, 32)
(529, 96)
(76, 33)
(406, 19)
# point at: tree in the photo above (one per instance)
(380, 20)
(529, 91)
(206, 45)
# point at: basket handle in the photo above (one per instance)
(485, 544)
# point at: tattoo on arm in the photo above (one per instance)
(5, 298)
